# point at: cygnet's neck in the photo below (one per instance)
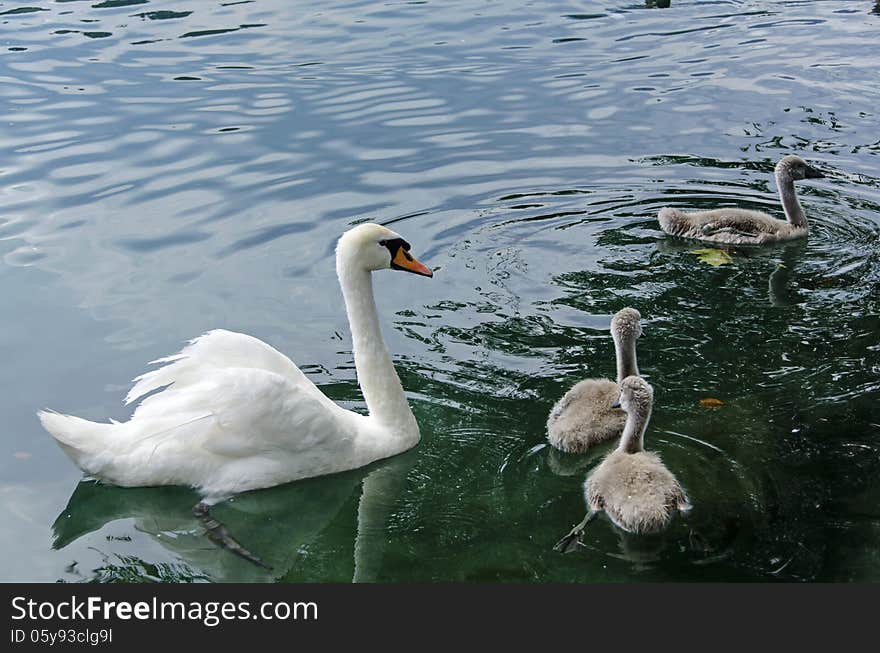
(376, 375)
(625, 352)
(633, 438)
(793, 211)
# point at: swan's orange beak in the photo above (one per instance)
(403, 260)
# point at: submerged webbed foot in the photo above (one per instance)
(570, 542)
(219, 534)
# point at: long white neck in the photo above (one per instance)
(377, 377)
(626, 359)
(793, 211)
(633, 438)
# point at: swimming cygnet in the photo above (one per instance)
(585, 416)
(742, 226)
(632, 486)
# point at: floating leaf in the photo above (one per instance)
(714, 257)
(711, 402)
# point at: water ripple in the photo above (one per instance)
(175, 168)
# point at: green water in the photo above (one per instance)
(172, 169)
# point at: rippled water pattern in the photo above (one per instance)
(173, 167)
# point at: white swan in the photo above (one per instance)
(584, 415)
(235, 414)
(742, 226)
(632, 486)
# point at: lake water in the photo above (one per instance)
(174, 167)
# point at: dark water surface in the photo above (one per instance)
(172, 167)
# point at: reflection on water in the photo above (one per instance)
(174, 168)
(285, 524)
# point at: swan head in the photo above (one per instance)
(794, 168)
(374, 247)
(626, 326)
(636, 396)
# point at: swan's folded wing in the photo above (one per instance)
(243, 412)
(260, 412)
(218, 349)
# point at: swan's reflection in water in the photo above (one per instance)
(279, 524)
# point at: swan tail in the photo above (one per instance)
(83, 441)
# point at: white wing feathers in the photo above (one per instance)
(231, 413)
(239, 412)
(236, 390)
(217, 349)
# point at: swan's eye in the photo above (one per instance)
(396, 244)
(401, 259)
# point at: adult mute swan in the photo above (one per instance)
(633, 486)
(742, 226)
(584, 415)
(234, 414)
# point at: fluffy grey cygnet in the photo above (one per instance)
(742, 226)
(584, 416)
(632, 486)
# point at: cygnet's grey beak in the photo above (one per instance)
(812, 173)
(616, 404)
